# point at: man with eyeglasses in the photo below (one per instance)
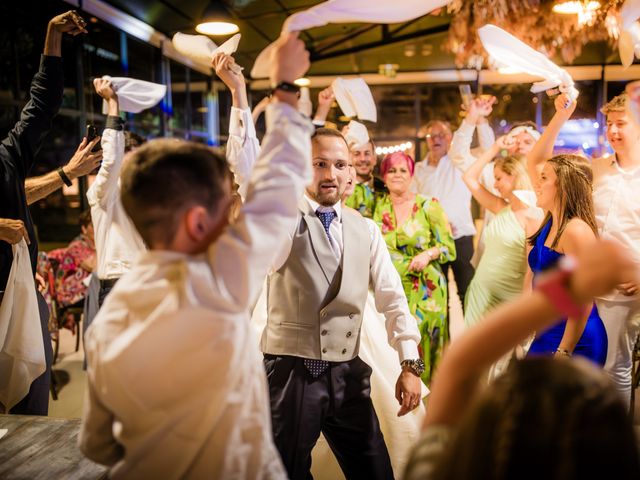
(436, 176)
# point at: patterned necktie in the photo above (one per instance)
(318, 367)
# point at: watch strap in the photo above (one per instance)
(287, 87)
(65, 179)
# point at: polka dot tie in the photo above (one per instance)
(318, 367)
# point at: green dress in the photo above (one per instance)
(500, 274)
(362, 199)
(426, 291)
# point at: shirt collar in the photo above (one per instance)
(315, 206)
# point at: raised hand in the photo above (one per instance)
(224, 64)
(84, 161)
(290, 59)
(69, 22)
(564, 105)
(104, 88)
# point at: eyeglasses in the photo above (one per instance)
(436, 135)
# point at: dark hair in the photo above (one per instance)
(328, 132)
(544, 418)
(575, 191)
(163, 178)
(132, 140)
(85, 218)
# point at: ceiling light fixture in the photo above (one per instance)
(302, 82)
(216, 20)
(585, 9)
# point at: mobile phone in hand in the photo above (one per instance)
(91, 133)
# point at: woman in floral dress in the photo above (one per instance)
(419, 239)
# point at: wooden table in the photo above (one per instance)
(44, 448)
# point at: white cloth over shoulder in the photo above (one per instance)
(512, 52)
(348, 11)
(357, 134)
(629, 40)
(355, 98)
(135, 95)
(22, 357)
(201, 49)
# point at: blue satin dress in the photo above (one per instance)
(593, 342)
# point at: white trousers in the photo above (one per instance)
(622, 323)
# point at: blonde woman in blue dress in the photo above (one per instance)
(500, 275)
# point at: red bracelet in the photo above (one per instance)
(554, 286)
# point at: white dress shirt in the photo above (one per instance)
(444, 182)
(177, 387)
(462, 157)
(117, 240)
(390, 299)
(616, 199)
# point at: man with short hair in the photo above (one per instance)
(616, 183)
(176, 384)
(436, 176)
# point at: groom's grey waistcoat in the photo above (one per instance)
(315, 301)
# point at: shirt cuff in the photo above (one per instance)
(48, 62)
(318, 123)
(241, 123)
(114, 122)
(407, 350)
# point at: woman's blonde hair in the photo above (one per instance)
(515, 165)
(574, 192)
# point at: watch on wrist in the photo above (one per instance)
(415, 365)
(286, 87)
(65, 179)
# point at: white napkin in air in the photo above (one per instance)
(355, 98)
(512, 52)
(357, 134)
(134, 95)
(201, 49)
(348, 11)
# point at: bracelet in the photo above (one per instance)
(563, 351)
(65, 179)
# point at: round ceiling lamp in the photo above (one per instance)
(216, 21)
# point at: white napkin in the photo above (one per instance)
(135, 95)
(357, 134)
(201, 49)
(629, 40)
(22, 357)
(348, 11)
(305, 106)
(355, 98)
(510, 51)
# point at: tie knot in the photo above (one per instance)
(326, 218)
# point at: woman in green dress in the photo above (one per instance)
(419, 239)
(501, 272)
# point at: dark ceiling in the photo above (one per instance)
(335, 49)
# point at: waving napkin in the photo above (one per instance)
(135, 95)
(629, 40)
(355, 98)
(348, 11)
(22, 357)
(201, 49)
(356, 134)
(510, 51)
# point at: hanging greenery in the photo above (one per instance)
(533, 22)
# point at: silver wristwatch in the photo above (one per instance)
(416, 366)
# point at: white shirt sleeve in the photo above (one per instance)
(105, 186)
(390, 299)
(244, 254)
(486, 137)
(243, 147)
(460, 149)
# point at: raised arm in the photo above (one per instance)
(543, 149)
(25, 139)
(243, 147)
(456, 380)
(476, 115)
(249, 246)
(471, 178)
(82, 163)
(104, 189)
(325, 100)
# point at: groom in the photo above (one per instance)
(315, 302)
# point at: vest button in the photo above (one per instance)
(324, 332)
(351, 315)
(323, 314)
(324, 350)
(344, 350)
(348, 334)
